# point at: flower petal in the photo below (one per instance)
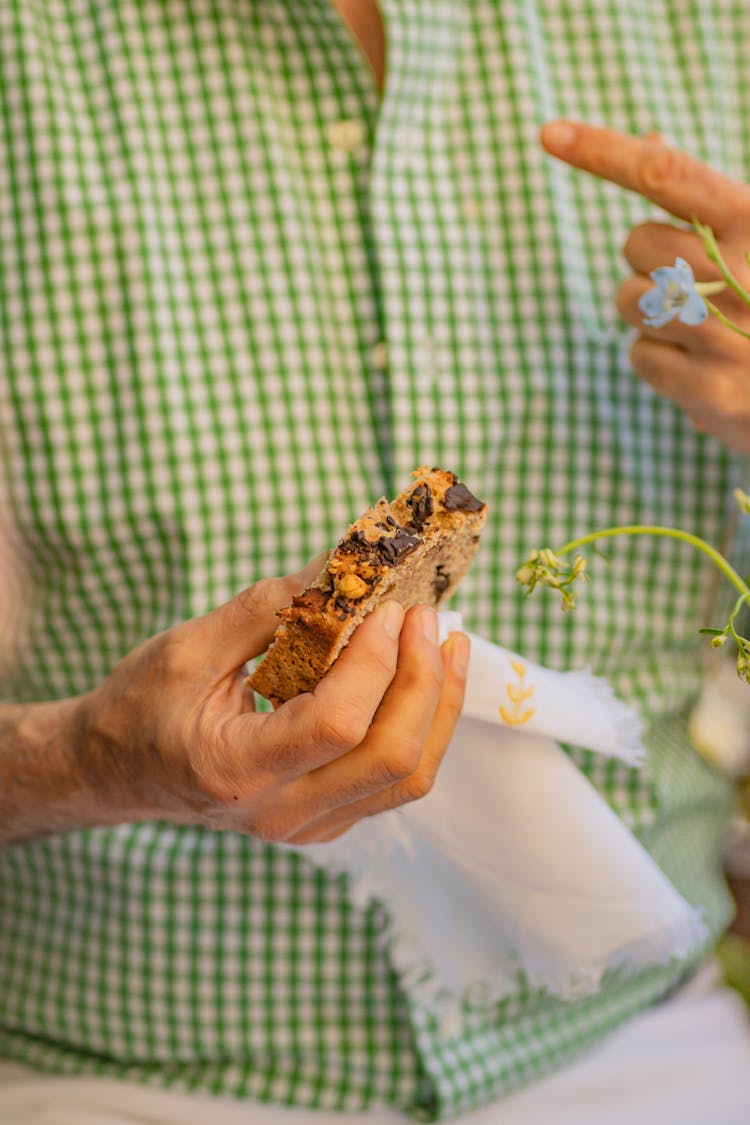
(655, 311)
(651, 302)
(661, 319)
(684, 273)
(695, 309)
(663, 275)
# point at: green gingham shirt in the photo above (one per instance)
(240, 298)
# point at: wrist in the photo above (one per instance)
(100, 757)
(44, 784)
(53, 774)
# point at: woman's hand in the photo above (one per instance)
(705, 369)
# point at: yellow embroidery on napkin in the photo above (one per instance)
(515, 716)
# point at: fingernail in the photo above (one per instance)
(559, 135)
(429, 623)
(392, 618)
(459, 653)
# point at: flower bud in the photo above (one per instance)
(524, 574)
(579, 566)
(549, 559)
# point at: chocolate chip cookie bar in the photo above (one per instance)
(415, 550)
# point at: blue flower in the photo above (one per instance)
(675, 295)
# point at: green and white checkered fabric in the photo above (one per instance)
(209, 228)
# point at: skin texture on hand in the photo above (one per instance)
(704, 369)
(172, 733)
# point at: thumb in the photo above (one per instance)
(242, 628)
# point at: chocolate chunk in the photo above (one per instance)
(357, 544)
(400, 544)
(441, 581)
(421, 506)
(458, 499)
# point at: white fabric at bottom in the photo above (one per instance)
(514, 862)
(684, 1062)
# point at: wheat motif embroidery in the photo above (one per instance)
(518, 693)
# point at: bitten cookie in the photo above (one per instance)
(414, 550)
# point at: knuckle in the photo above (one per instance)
(660, 168)
(172, 655)
(274, 830)
(425, 675)
(402, 761)
(417, 786)
(725, 400)
(342, 729)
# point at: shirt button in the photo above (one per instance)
(346, 135)
(379, 356)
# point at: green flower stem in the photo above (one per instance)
(725, 320)
(671, 532)
(711, 248)
(741, 600)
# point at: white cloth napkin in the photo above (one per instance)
(507, 690)
(514, 864)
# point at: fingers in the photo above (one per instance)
(392, 761)
(393, 747)
(370, 737)
(710, 339)
(713, 396)
(667, 368)
(702, 369)
(695, 338)
(399, 760)
(241, 767)
(715, 399)
(316, 728)
(650, 245)
(679, 183)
